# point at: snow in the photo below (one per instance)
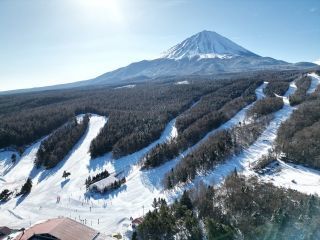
(260, 147)
(315, 80)
(214, 55)
(206, 44)
(114, 209)
(239, 117)
(103, 183)
(132, 199)
(303, 179)
(162, 170)
(48, 184)
(317, 61)
(6, 163)
(182, 82)
(295, 177)
(126, 86)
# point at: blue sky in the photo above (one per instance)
(47, 42)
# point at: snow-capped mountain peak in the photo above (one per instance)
(317, 62)
(206, 44)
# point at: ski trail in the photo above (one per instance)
(259, 148)
(155, 176)
(110, 212)
(127, 163)
(143, 186)
(47, 184)
(315, 80)
(295, 176)
(135, 197)
(242, 161)
(19, 172)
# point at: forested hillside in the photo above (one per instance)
(53, 149)
(300, 95)
(276, 87)
(299, 137)
(216, 149)
(137, 116)
(223, 144)
(240, 208)
(229, 99)
(141, 110)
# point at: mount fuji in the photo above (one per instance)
(206, 44)
(205, 53)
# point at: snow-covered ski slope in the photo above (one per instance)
(300, 178)
(293, 176)
(259, 148)
(113, 210)
(303, 179)
(49, 186)
(239, 117)
(107, 213)
(315, 80)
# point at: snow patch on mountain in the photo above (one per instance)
(206, 44)
(182, 83)
(126, 86)
(317, 62)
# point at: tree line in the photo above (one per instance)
(240, 94)
(220, 146)
(300, 95)
(216, 149)
(24, 117)
(129, 131)
(298, 137)
(133, 123)
(99, 176)
(56, 147)
(265, 106)
(278, 88)
(240, 208)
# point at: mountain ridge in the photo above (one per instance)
(204, 53)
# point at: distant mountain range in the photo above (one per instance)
(204, 53)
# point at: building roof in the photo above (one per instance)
(100, 185)
(63, 229)
(137, 221)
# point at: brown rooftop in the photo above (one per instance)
(61, 228)
(137, 221)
